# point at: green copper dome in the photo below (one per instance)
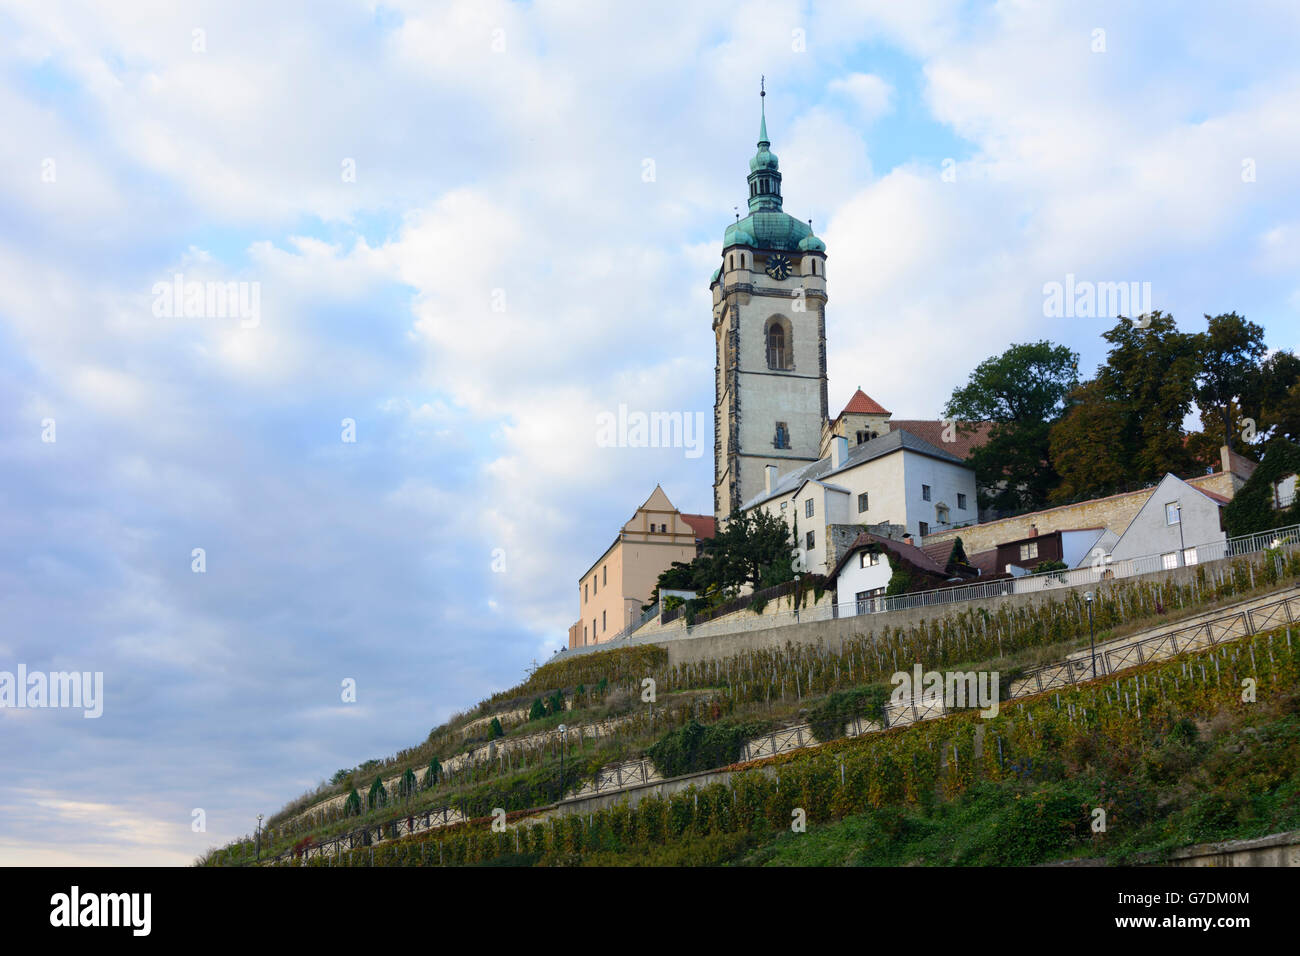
(763, 159)
(768, 230)
(811, 243)
(767, 226)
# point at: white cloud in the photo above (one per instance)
(872, 96)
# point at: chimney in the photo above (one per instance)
(1033, 531)
(769, 478)
(839, 450)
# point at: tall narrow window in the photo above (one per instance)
(782, 439)
(780, 347)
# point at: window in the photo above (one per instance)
(808, 508)
(595, 585)
(602, 621)
(1028, 551)
(811, 539)
(864, 437)
(866, 600)
(961, 502)
(604, 574)
(1170, 560)
(584, 594)
(941, 514)
(1189, 556)
(869, 559)
(862, 502)
(782, 439)
(1172, 513)
(731, 263)
(925, 528)
(925, 492)
(783, 504)
(780, 346)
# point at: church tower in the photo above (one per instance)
(769, 326)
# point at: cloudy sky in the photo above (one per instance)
(472, 228)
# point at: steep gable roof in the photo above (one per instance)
(863, 404)
(908, 552)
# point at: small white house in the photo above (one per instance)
(863, 572)
(1179, 522)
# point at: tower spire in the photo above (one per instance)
(762, 101)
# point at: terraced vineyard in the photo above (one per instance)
(521, 771)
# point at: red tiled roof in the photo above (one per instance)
(863, 404)
(964, 441)
(705, 526)
(1214, 496)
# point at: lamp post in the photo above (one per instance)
(259, 838)
(1182, 545)
(563, 731)
(1092, 645)
(796, 596)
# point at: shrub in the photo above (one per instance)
(828, 718)
(695, 747)
(495, 730)
(432, 774)
(352, 805)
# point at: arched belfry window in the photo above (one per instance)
(780, 344)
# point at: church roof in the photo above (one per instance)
(863, 404)
(867, 451)
(767, 230)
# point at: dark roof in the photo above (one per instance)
(705, 526)
(867, 451)
(908, 552)
(986, 561)
(964, 441)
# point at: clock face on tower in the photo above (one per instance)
(778, 267)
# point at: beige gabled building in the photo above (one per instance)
(612, 591)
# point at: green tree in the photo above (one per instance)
(1231, 349)
(378, 795)
(352, 805)
(432, 774)
(1088, 445)
(1252, 509)
(754, 548)
(495, 729)
(406, 786)
(1273, 397)
(537, 711)
(1022, 392)
(1151, 373)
